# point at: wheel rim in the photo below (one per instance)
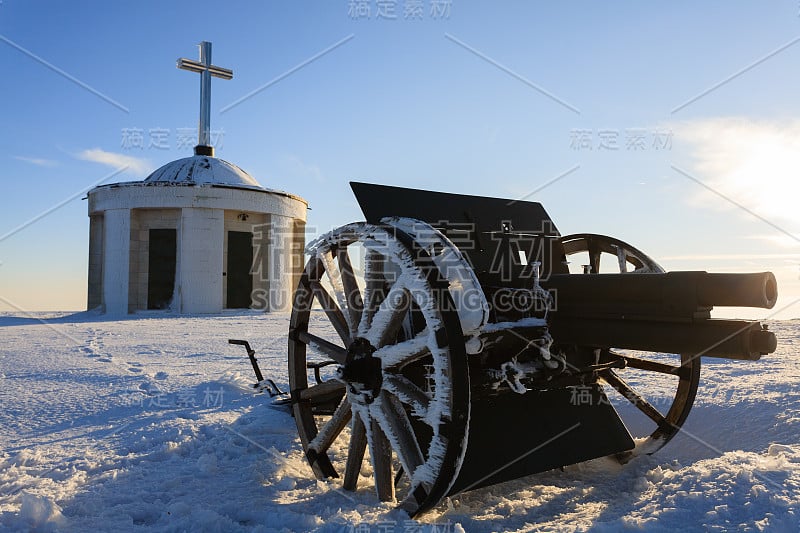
(675, 389)
(599, 245)
(401, 384)
(665, 401)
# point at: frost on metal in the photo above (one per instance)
(439, 406)
(528, 322)
(539, 359)
(335, 278)
(389, 257)
(464, 288)
(432, 407)
(393, 354)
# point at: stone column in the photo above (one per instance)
(116, 255)
(95, 279)
(279, 263)
(199, 283)
(298, 252)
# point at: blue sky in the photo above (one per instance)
(484, 98)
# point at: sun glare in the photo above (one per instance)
(754, 164)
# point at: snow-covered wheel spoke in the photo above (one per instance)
(396, 356)
(323, 391)
(333, 428)
(380, 453)
(397, 427)
(408, 393)
(331, 309)
(402, 369)
(355, 453)
(325, 347)
(373, 289)
(391, 313)
(352, 294)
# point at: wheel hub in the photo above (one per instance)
(361, 371)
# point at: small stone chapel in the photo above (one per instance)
(198, 235)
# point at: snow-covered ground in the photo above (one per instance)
(149, 423)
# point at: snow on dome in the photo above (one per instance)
(203, 170)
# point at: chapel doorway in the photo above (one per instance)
(161, 268)
(240, 260)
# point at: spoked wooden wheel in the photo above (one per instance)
(401, 382)
(600, 247)
(662, 387)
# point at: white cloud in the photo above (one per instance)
(37, 161)
(754, 163)
(298, 168)
(780, 240)
(132, 165)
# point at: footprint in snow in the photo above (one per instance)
(89, 351)
(161, 375)
(150, 389)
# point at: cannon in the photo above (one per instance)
(464, 342)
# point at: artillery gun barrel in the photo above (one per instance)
(738, 290)
(672, 296)
(662, 312)
(733, 339)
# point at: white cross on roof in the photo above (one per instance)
(206, 70)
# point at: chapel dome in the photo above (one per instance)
(202, 170)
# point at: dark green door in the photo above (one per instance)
(161, 268)
(240, 258)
